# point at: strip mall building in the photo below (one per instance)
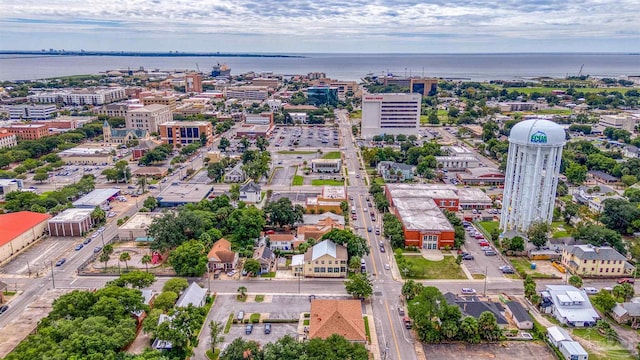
(419, 208)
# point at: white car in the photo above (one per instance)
(590, 290)
(387, 267)
(468, 291)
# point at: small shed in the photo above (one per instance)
(572, 350)
(519, 315)
(556, 334)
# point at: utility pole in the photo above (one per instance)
(53, 280)
(486, 269)
(28, 268)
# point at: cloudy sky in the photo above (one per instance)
(354, 26)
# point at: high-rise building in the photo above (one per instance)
(193, 83)
(531, 178)
(149, 117)
(186, 132)
(390, 114)
(322, 95)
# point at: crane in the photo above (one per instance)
(198, 67)
(580, 72)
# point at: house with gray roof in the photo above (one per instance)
(395, 172)
(159, 344)
(194, 295)
(627, 313)
(250, 192)
(519, 315)
(568, 305)
(595, 261)
(235, 175)
(474, 307)
(326, 259)
(265, 257)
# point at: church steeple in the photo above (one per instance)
(106, 131)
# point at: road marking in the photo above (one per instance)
(393, 332)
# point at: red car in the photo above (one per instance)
(626, 280)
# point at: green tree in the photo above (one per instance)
(150, 203)
(165, 300)
(283, 212)
(356, 245)
(142, 183)
(124, 257)
(537, 233)
(176, 285)
(628, 180)
(570, 210)
(40, 176)
(576, 173)
(242, 292)
(285, 348)
(215, 333)
(146, 260)
(433, 118)
(604, 300)
(234, 192)
(252, 266)
(240, 349)
(224, 144)
(516, 244)
(488, 327)
(173, 229)
(355, 263)
(262, 143)
(619, 215)
(529, 287)
(189, 259)
(136, 279)
(411, 289)
(98, 215)
(469, 330)
(104, 257)
(624, 291)
(359, 286)
(576, 281)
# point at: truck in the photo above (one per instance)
(408, 324)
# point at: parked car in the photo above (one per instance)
(248, 329)
(590, 290)
(79, 247)
(490, 253)
(467, 257)
(626, 280)
(377, 231)
(60, 262)
(507, 270)
(468, 291)
(382, 249)
(3, 309)
(400, 311)
(240, 315)
(267, 329)
(231, 273)
(86, 241)
(387, 267)
(97, 249)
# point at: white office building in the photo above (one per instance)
(390, 114)
(531, 177)
(80, 97)
(31, 112)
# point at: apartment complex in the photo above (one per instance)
(265, 118)
(258, 93)
(186, 132)
(193, 83)
(31, 112)
(149, 117)
(167, 100)
(594, 261)
(80, 97)
(28, 131)
(390, 114)
(8, 140)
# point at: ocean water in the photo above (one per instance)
(477, 67)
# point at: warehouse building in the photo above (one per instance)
(19, 229)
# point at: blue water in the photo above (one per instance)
(480, 67)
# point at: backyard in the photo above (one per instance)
(421, 268)
(599, 347)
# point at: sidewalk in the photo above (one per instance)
(374, 346)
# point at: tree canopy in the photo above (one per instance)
(356, 245)
(283, 212)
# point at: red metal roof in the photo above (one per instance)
(14, 224)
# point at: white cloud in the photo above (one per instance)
(402, 21)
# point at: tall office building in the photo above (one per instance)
(390, 114)
(193, 83)
(531, 179)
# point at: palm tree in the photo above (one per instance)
(124, 257)
(142, 182)
(243, 291)
(146, 259)
(104, 257)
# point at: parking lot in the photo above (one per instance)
(506, 350)
(258, 334)
(481, 263)
(305, 137)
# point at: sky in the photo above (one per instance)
(322, 26)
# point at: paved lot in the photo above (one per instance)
(277, 331)
(482, 263)
(507, 350)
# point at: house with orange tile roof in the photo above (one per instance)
(221, 257)
(19, 229)
(341, 317)
(318, 229)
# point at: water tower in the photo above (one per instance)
(531, 176)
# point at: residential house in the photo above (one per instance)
(395, 172)
(321, 226)
(627, 313)
(297, 264)
(629, 151)
(326, 259)
(149, 296)
(235, 175)
(568, 305)
(159, 344)
(594, 261)
(281, 241)
(472, 306)
(520, 316)
(193, 295)
(557, 334)
(250, 192)
(602, 177)
(265, 257)
(594, 196)
(572, 350)
(221, 257)
(341, 317)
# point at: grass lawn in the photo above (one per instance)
(356, 114)
(425, 269)
(298, 180)
(379, 180)
(488, 226)
(523, 266)
(424, 119)
(332, 155)
(318, 182)
(366, 328)
(300, 152)
(213, 355)
(606, 349)
(543, 90)
(254, 318)
(227, 327)
(478, 276)
(561, 229)
(268, 275)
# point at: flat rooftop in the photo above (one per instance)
(140, 221)
(71, 215)
(437, 191)
(418, 214)
(184, 193)
(95, 198)
(473, 195)
(334, 192)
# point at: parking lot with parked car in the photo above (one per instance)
(479, 255)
